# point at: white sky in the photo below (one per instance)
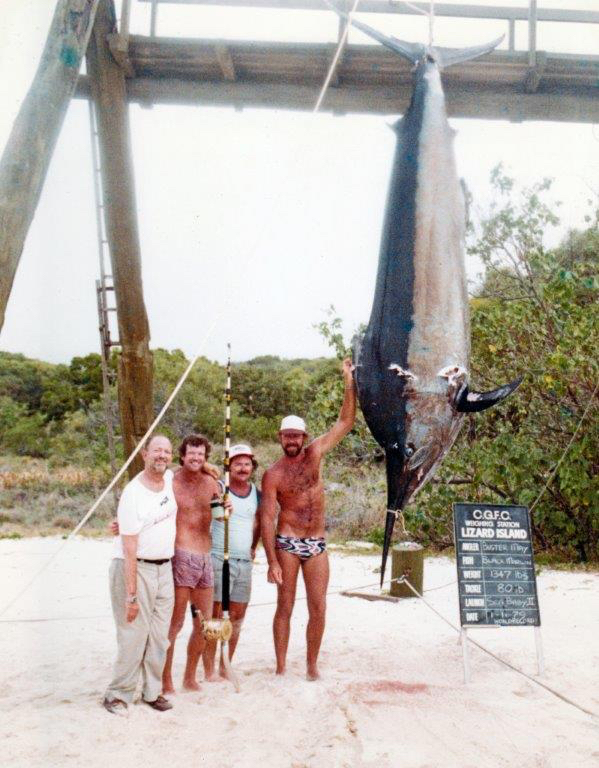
(266, 216)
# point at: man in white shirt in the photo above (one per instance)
(141, 580)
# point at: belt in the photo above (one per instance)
(154, 562)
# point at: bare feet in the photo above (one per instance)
(167, 686)
(190, 685)
(312, 673)
(213, 677)
(280, 669)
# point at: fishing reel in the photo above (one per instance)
(213, 629)
(217, 629)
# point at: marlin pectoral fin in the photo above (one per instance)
(402, 372)
(472, 402)
(448, 56)
(389, 523)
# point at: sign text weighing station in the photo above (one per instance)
(496, 575)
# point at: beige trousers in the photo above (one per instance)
(142, 643)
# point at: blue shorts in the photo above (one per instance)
(240, 579)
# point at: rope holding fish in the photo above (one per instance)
(400, 521)
(431, 23)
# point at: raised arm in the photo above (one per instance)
(268, 512)
(347, 415)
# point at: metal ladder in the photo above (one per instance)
(104, 288)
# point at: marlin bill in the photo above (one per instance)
(412, 363)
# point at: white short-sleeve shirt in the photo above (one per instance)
(149, 515)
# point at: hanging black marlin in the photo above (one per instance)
(412, 361)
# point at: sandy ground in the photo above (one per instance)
(391, 694)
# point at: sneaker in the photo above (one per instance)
(115, 706)
(161, 704)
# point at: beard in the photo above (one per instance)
(291, 450)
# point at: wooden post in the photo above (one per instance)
(406, 558)
(31, 143)
(135, 361)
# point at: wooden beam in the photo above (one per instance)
(289, 75)
(575, 105)
(119, 48)
(35, 131)
(135, 361)
(225, 60)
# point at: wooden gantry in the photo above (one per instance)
(513, 85)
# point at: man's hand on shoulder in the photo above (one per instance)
(211, 469)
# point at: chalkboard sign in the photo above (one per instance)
(496, 575)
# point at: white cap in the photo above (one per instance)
(293, 422)
(241, 449)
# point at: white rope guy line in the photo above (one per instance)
(499, 659)
(340, 47)
(566, 449)
(121, 471)
(399, 579)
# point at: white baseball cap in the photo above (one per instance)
(241, 449)
(293, 422)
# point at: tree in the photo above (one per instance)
(535, 315)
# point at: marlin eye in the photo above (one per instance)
(409, 450)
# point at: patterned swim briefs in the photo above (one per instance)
(303, 548)
(192, 570)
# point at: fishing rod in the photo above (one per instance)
(226, 494)
(221, 629)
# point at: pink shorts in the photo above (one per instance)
(192, 570)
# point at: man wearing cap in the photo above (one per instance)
(141, 580)
(294, 482)
(244, 533)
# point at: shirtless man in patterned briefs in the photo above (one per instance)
(295, 484)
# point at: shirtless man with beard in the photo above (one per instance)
(294, 482)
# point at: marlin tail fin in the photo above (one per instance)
(448, 56)
(413, 52)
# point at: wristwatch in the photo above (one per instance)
(131, 599)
